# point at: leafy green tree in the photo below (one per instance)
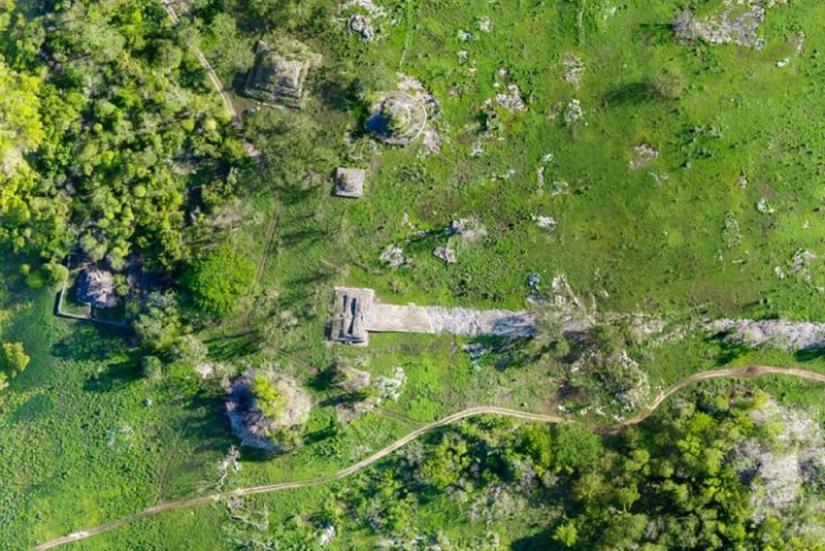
(446, 464)
(160, 324)
(267, 397)
(575, 447)
(534, 441)
(55, 273)
(566, 534)
(218, 279)
(14, 359)
(607, 339)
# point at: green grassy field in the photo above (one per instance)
(678, 238)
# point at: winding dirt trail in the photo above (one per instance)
(743, 372)
(250, 149)
(213, 76)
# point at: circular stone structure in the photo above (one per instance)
(397, 118)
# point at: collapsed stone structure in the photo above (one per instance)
(251, 425)
(97, 289)
(280, 71)
(397, 118)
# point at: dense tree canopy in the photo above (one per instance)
(123, 138)
(671, 483)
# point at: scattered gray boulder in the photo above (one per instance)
(642, 155)
(545, 222)
(573, 70)
(470, 229)
(392, 257)
(573, 112)
(445, 254)
(362, 26)
(533, 281)
(327, 533)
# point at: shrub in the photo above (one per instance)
(55, 274)
(669, 84)
(13, 360)
(267, 398)
(35, 279)
(151, 367)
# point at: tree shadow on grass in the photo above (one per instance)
(337, 94)
(631, 94)
(810, 353)
(118, 375)
(656, 33)
(730, 349)
(211, 429)
(505, 353)
(234, 346)
(306, 236)
(323, 380)
(294, 195)
(90, 342)
(330, 431)
(36, 407)
(537, 542)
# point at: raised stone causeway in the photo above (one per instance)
(357, 312)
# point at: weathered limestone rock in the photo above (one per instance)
(392, 256)
(642, 155)
(445, 254)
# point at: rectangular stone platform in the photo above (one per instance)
(357, 312)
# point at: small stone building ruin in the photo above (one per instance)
(279, 73)
(348, 323)
(349, 182)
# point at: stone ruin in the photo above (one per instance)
(356, 312)
(251, 426)
(397, 118)
(97, 288)
(737, 23)
(348, 325)
(349, 182)
(279, 73)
